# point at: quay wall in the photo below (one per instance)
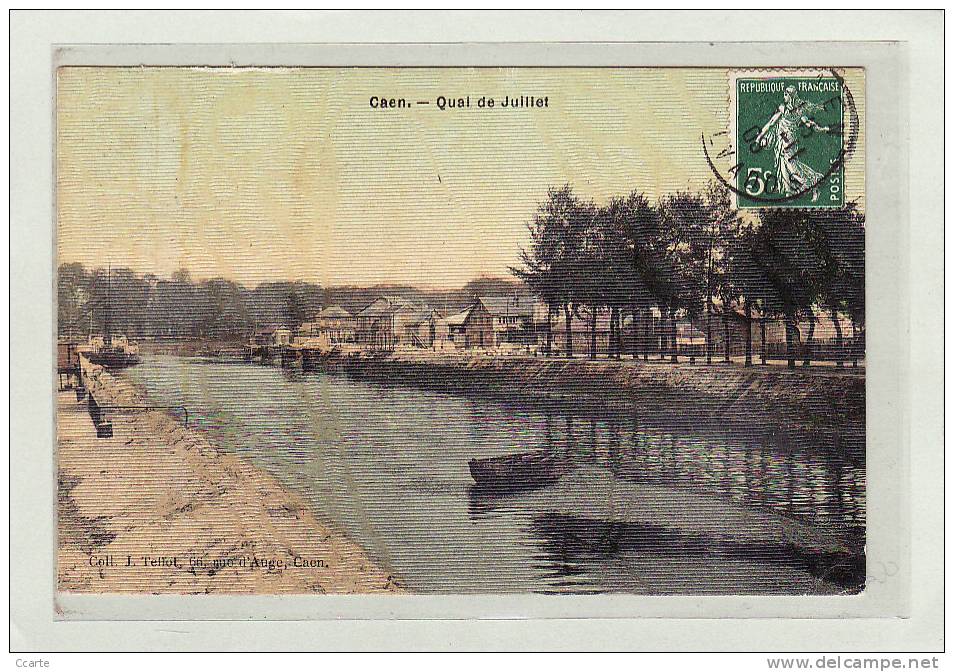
(815, 398)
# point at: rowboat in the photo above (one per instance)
(517, 471)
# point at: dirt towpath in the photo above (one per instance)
(158, 509)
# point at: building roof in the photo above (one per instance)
(386, 305)
(458, 319)
(270, 329)
(513, 305)
(334, 312)
(425, 315)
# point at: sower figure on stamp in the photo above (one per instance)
(794, 176)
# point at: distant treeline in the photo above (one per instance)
(144, 305)
(693, 255)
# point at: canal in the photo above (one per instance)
(648, 508)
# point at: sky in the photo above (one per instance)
(290, 174)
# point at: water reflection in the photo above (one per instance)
(571, 543)
(813, 481)
(818, 477)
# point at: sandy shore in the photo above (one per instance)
(158, 509)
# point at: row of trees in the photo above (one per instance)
(145, 305)
(692, 254)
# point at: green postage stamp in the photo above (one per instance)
(790, 133)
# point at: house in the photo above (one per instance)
(279, 335)
(334, 324)
(478, 328)
(824, 337)
(97, 341)
(511, 318)
(650, 333)
(282, 336)
(262, 336)
(426, 329)
(734, 324)
(381, 324)
(688, 334)
(493, 321)
(580, 327)
(457, 327)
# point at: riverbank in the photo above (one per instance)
(186, 347)
(811, 399)
(641, 507)
(157, 508)
(769, 398)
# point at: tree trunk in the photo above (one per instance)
(620, 333)
(854, 345)
(617, 333)
(672, 331)
(748, 333)
(568, 314)
(646, 344)
(655, 335)
(709, 329)
(614, 335)
(790, 331)
(661, 335)
(810, 341)
(664, 334)
(762, 346)
(727, 336)
(635, 336)
(549, 351)
(839, 341)
(593, 333)
(611, 339)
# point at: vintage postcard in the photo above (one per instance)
(460, 330)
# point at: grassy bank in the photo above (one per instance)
(157, 508)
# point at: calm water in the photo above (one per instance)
(644, 508)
